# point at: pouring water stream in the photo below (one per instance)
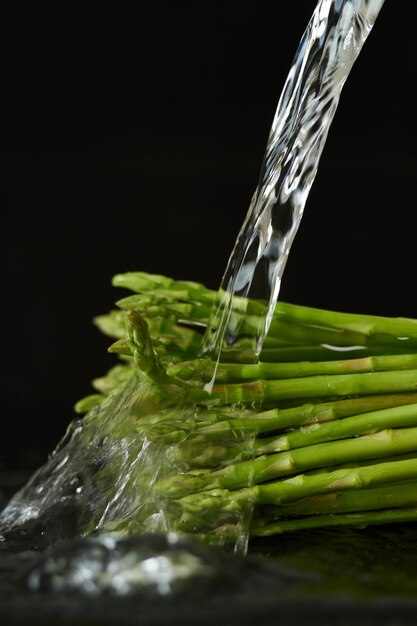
(328, 49)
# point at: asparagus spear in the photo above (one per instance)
(385, 496)
(203, 369)
(400, 416)
(320, 386)
(358, 520)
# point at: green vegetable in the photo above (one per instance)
(321, 431)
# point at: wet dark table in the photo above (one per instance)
(332, 577)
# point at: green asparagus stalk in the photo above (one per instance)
(356, 520)
(396, 417)
(203, 369)
(366, 324)
(311, 352)
(369, 499)
(259, 392)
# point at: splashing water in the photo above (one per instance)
(330, 45)
(111, 473)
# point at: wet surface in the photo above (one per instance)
(335, 576)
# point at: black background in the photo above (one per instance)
(133, 137)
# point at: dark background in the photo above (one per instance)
(133, 137)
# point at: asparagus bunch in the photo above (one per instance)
(321, 431)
